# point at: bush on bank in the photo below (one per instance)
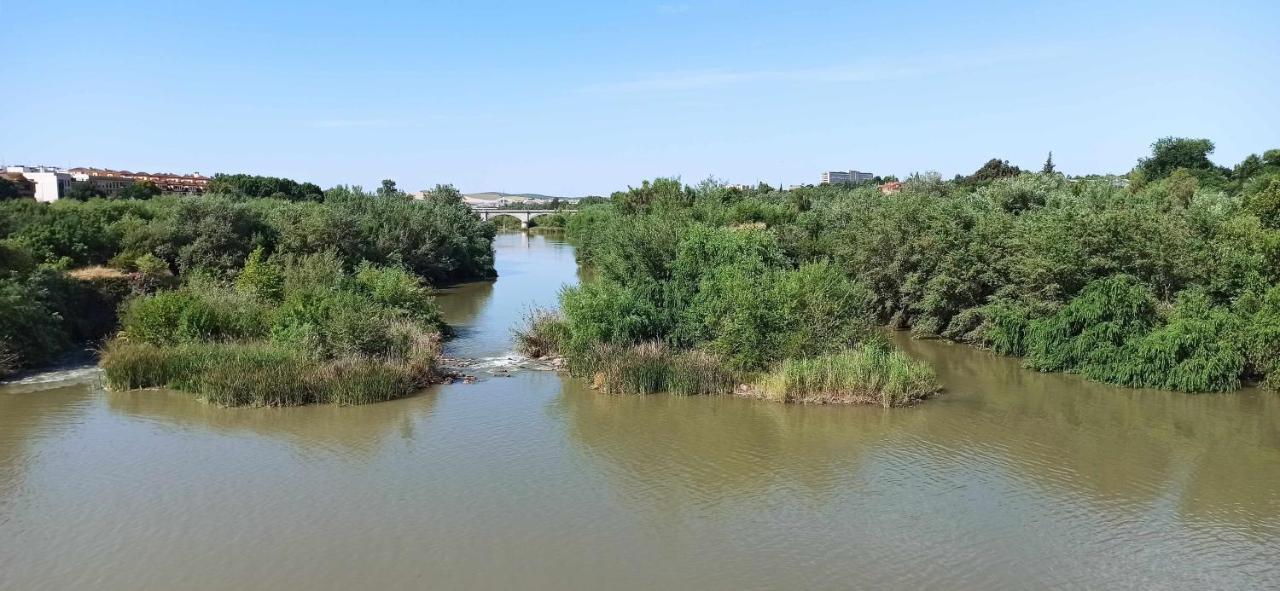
(310, 332)
(45, 312)
(691, 308)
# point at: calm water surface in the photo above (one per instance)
(1012, 480)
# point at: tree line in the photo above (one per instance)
(66, 266)
(1166, 277)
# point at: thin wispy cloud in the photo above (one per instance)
(867, 71)
(348, 123)
(673, 8)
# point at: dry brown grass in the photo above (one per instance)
(96, 272)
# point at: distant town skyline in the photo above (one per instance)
(571, 98)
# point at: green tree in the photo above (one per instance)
(444, 195)
(1251, 165)
(83, 191)
(1048, 167)
(993, 169)
(140, 190)
(1182, 187)
(256, 187)
(260, 277)
(1266, 204)
(1271, 158)
(388, 189)
(11, 188)
(1171, 153)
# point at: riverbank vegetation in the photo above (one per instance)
(296, 332)
(328, 288)
(1166, 277)
(680, 305)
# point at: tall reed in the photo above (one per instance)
(862, 375)
(543, 333)
(261, 374)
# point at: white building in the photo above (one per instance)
(51, 183)
(840, 176)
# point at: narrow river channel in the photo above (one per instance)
(1011, 480)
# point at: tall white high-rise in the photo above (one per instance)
(841, 176)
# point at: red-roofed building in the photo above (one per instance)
(891, 187)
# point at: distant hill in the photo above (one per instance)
(494, 195)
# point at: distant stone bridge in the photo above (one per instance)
(524, 215)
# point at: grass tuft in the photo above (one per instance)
(863, 375)
(262, 374)
(544, 333)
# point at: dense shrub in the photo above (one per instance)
(1197, 350)
(1088, 333)
(45, 313)
(681, 305)
(31, 332)
(753, 319)
(195, 313)
(309, 332)
(1261, 335)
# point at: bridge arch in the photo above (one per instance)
(524, 215)
(524, 220)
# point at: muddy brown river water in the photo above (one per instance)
(1011, 480)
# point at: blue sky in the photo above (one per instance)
(574, 98)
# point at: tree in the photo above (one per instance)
(13, 188)
(660, 192)
(260, 278)
(253, 186)
(1171, 153)
(1182, 187)
(444, 194)
(993, 169)
(83, 191)
(388, 189)
(1048, 167)
(1266, 204)
(140, 190)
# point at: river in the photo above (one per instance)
(1011, 480)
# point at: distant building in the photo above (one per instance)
(50, 183)
(168, 182)
(107, 181)
(891, 187)
(841, 176)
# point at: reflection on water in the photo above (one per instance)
(1205, 454)
(704, 450)
(358, 430)
(1011, 480)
